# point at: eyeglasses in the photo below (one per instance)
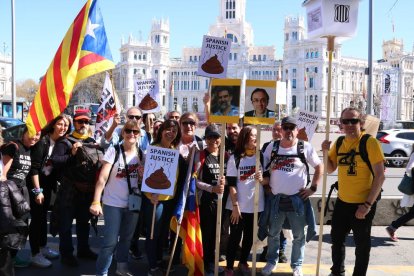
(191, 123)
(288, 127)
(83, 122)
(129, 131)
(136, 117)
(353, 121)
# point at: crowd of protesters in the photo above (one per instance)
(32, 168)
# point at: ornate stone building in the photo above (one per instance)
(305, 67)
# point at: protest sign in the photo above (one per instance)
(147, 96)
(214, 57)
(307, 123)
(160, 170)
(260, 102)
(225, 101)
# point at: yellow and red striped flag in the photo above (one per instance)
(83, 52)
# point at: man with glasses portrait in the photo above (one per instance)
(260, 101)
(113, 135)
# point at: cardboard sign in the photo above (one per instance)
(147, 96)
(331, 18)
(371, 125)
(214, 57)
(225, 101)
(160, 170)
(307, 123)
(260, 102)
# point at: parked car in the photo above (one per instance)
(7, 122)
(13, 132)
(396, 143)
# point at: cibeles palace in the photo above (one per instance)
(304, 66)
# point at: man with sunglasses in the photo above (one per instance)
(289, 199)
(358, 190)
(112, 136)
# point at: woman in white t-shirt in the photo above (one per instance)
(241, 177)
(120, 166)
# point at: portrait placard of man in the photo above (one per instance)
(260, 101)
(225, 100)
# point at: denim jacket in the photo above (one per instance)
(271, 211)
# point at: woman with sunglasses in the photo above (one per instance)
(168, 137)
(119, 167)
(188, 125)
(43, 181)
(241, 177)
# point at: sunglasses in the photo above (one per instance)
(83, 122)
(136, 117)
(353, 121)
(129, 131)
(288, 127)
(191, 123)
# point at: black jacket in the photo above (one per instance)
(14, 210)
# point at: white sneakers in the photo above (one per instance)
(49, 253)
(40, 261)
(297, 271)
(122, 269)
(267, 269)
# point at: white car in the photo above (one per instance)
(396, 143)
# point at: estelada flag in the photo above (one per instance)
(83, 52)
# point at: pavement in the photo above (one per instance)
(387, 257)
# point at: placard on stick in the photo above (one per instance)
(147, 95)
(214, 57)
(307, 123)
(225, 101)
(260, 102)
(160, 170)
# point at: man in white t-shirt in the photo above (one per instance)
(288, 181)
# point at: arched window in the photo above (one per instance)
(293, 102)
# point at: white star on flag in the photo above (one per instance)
(90, 29)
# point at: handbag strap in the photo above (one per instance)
(126, 170)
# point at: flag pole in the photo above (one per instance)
(187, 179)
(219, 202)
(256, 201)
(330, 48)
(153, 221)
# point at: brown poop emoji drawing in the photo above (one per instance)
(212, 66)
(302, 134)
(148, 103)
(158, 180)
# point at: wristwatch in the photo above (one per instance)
(313, 188)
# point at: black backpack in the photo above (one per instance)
(300, 148)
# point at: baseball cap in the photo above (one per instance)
(81, 115)
(289, 120)
(212, 131)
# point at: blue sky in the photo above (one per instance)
(41, 25)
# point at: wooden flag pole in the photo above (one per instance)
(219, 202)
(331, 47)
(153, 221)
(256, 201)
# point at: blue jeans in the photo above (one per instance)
(118, 222)
(297, 223)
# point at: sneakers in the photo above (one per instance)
(19, 262)
(297, 271)
(122, 270)
(49, 253)
(268, 268)
(391, 231)
(228, 272)
(282, 257)
(155, 272)
(244, 269)
(40, 261)
(87, 254)
(69, 260)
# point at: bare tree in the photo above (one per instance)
(27, 89)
